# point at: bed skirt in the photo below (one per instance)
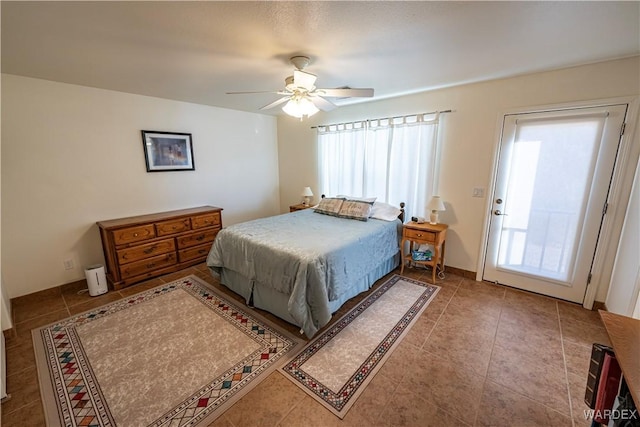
(266, 298)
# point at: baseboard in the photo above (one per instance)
(599, 305)
(460, 272)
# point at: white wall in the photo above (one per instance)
(625, 279)
(469, 135)
(73, 155)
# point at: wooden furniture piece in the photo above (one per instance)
(430, 234)
(141, 247)
(624, 334)
(298, 207)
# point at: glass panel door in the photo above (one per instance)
(552, 183)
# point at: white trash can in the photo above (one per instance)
(96, 279)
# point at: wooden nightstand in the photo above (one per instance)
(298, 207)
(430, 234)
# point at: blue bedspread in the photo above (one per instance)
(311, 257)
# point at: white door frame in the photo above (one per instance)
(628, 154)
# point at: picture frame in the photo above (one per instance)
(167, 151)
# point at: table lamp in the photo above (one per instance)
(307, 194)
(435, 205)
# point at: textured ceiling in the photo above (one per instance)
(197, 51)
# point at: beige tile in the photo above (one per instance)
(542, 345)
(266, 404)
(31, 415)
(577, 357)
(37, 304)
(167, 278)
(470, 349)
(307, 412)
(141, 287)
(577, 389)
(444, 383)
(400, 362)
(408, 408)
(457, 320)
(477, 302)
(23, 388)
(582, 333)
(528, 317)
(95, 302)
(221, 421)
(529, 377)
(530, 301)
(75, 292)
(23, 329)
(569, 311)
(369, 406)
(419, 331)
(502, 407)
(20, 357)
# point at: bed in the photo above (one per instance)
(302, 266)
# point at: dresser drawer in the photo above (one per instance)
(420, 235)
(193, 253)
(133, 234)
(209, 220)
(146, 265)
(196, 238)
(147, 250)
(171, 227)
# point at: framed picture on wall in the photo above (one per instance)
(167, 151)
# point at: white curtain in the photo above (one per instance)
(392, 159)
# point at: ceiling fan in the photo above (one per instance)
(302, 97)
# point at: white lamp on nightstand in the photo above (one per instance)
(435, 205)
(307, 194)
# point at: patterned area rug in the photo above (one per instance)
(336, 366)
(176, 355)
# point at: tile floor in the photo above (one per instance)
(480, 355)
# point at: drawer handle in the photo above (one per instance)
(419, 235)
(135, 234)
(201, 251)
(200, 238)
(151, 265)
(151, 249)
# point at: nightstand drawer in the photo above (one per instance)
(425, 236)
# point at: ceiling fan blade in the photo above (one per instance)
(276, 103)
(304, 79)
(322, 103)
(346, 93)
(247, 93)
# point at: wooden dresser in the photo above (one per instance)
(141, 247)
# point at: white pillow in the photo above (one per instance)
(384, 211)
(359, 199)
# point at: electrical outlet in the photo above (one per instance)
(478, 192)
(68, 264)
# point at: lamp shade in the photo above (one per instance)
(435, 204)
(306, 192)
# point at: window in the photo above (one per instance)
(391, 159)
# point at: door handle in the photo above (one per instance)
(497, 212)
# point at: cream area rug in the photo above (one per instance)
(179, 354)
(336, 366)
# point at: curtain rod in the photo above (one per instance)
(383, 118)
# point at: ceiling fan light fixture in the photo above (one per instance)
(300, 107)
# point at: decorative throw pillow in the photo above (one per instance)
(354, 209)
(359, 199)
(329, 206)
